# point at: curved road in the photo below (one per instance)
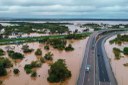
(101, 72)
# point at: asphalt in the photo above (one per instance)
(103, 75)
(88, 78)
(106, 75)
(95, 56)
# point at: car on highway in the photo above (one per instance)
(87, 68)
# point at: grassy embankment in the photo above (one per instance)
(35, 39)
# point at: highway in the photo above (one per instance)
(101, 72)
(88, 78)
(106, 75)
(103, 75)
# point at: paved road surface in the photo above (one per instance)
(106, 75)
(88, 78)
(103, 75)
(96, 58)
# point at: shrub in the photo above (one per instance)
(119, 39)
(69, 48)
(28, 71)
(35, 64)
(15, 55)
(3, 71)
(10, 52)
(117, 53)
(33, 74)
(26, 49)
(46, 47)
(5, 62)
(57, 43)
(1, 52)
(28, 66)
(42, 60)
(16, 71)
(38, 52)
(48, 56)
(125, 50)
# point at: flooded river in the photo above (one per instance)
(73, 60)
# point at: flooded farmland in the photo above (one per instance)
(120, 71)
(73, 60)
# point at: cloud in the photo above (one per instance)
(64, 8)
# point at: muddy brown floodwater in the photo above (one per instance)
(120, 71)
(73, 60)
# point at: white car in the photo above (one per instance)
(88, 68)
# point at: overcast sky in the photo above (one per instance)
(64, 9)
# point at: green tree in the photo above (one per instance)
(1, 52)
(57, 43)
(3, 71)
(42, 60)
(15, 55)
(26, 49)
(116, 52)
(34, 74)
(36, 64)
(6, 62)
(16, 71)
(46, 47)
(58, 72)
(69, 48)
(28, 68)
(38, 52)
(48, 56)
(125, 50)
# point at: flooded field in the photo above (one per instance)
(120, 71)
(73, 60)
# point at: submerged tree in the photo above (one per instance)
(48, 56)
(58, 72)
(3, 71)
(26, 49)
(1, 52)
(38, 52)
(69, 48)
(16, 71)
(125, 50)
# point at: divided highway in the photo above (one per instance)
(95, 56)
